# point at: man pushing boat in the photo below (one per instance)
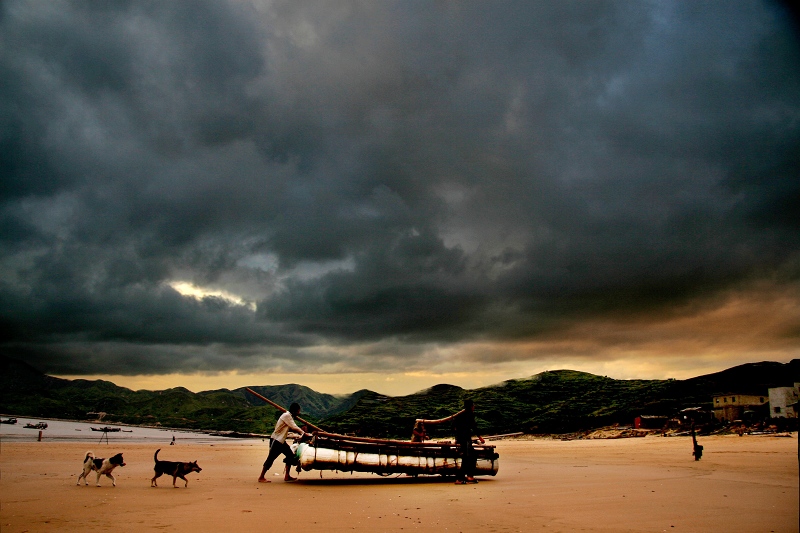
(277, 442)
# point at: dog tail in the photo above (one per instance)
(155, 456)
(89, 455)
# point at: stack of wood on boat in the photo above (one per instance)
(333, 451)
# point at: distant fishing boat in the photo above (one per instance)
(238, 435)
(107, 429)
(9, 421)
(40, 425)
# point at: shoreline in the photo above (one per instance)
(100, 421)
(600, 433)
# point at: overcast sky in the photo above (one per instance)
(392, 195)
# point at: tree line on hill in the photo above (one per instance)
(558, 401)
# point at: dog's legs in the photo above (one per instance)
(82, 476)
(98, 478)
(153, 481)
(113, 479)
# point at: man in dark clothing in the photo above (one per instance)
(465, 427)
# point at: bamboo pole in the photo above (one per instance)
(276, 406)
(495, 437)
(387, 442)
(441, 420)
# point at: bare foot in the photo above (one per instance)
(289, 478)
(262, 480)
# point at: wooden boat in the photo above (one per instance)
(238, 435)
(107, 429)
(40, 425)
(331, 451)
(9, 421)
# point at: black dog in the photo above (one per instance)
(174, 469)
(101, 466)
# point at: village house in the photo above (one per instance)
(783, 401)
(732, 407)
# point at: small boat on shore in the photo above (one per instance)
(9, 421)
(239, 435)
(331, 451)
(345, 453)
(40, 425)
(107, 429)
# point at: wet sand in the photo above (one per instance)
(742, 484)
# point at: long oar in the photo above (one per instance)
(276, 406)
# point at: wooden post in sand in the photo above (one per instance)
(697, 448)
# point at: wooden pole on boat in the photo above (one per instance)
(495, 437)
(441, 420)
(276, 406)
(387, 442)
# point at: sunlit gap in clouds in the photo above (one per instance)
(186, 288)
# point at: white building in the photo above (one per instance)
(783, 401)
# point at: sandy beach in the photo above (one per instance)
(742, 484)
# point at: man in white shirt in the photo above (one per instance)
(277, 442)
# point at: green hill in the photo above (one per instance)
(558, 401)
(26, 392)
(551, 402)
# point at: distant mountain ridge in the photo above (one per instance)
(549, 402)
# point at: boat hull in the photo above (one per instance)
(391, 457)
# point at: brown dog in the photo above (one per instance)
(174, 469)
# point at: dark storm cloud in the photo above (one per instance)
(423, 172)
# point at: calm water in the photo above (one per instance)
(60, 430)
